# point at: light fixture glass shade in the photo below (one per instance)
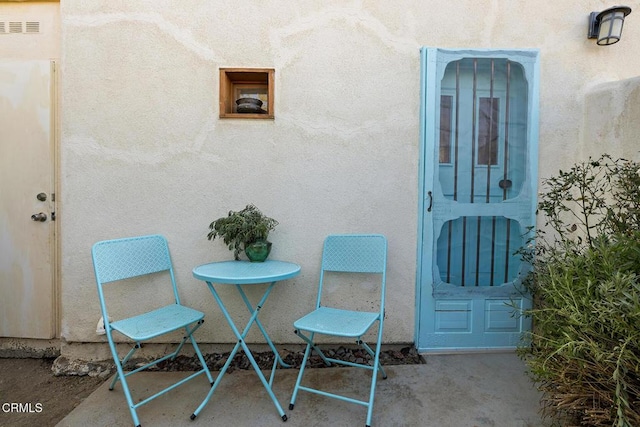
(610, 25)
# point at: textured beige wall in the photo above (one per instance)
(143, 149)
(612, 120)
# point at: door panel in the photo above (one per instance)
(478, 251)
(27, 300)
(479, 136)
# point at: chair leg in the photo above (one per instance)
(374, 376)
(123, 379)
(123, 362)
(372, 392)
(201, 358)
(189, 335)
(309, 341)
(373, 355)
(307, 351)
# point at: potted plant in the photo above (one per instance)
(246, 230)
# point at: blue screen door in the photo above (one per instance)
(478, 186)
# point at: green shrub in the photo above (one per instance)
(584, 350)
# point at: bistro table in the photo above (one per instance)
(239, 273)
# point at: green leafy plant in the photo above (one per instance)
(584, 350)
(597, 197)
(241, 228)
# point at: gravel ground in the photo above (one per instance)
(404, 356)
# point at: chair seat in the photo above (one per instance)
(157, 322)
(338, 322)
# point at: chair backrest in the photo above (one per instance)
(131, 257)
(355, 253)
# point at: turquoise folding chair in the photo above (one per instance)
(346, 253)
(120, 259)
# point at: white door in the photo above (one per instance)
(27, 199)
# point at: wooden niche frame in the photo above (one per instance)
(242, 83)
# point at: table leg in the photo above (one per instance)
(266, 385)
(277, 358)
(241, 343)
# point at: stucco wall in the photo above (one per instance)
(143, 150)
(612, 120)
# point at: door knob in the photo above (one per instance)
(505, 184)
(41, 217)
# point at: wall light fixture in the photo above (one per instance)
(606, 26)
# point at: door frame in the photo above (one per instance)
(428, 76)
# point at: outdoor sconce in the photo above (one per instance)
(606, 26)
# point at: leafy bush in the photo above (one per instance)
(584, 350)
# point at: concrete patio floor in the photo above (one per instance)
(474, 390)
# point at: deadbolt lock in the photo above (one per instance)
(42, 197)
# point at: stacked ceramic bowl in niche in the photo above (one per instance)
(249, 105)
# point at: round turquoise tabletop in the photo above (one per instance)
(245, 272)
